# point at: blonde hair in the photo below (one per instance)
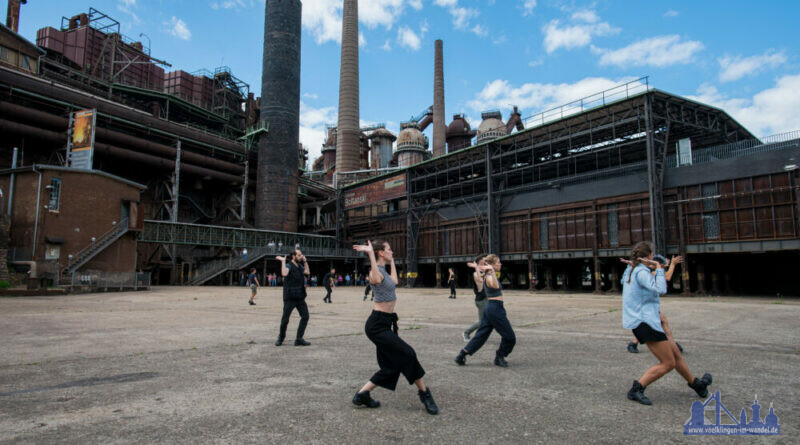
(491, 259)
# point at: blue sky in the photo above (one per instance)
(739, 55)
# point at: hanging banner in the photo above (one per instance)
(81, 140)
(388, 188)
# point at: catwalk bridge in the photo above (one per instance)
(259, 244)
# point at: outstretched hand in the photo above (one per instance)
(280, 258)
(677, 260)
(650, 263)
(363, 247)
(472, 265)
(626, 261)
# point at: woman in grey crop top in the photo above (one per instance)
(395, 356)
(494, 318)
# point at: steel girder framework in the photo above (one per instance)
(165, 232)
(633, 134)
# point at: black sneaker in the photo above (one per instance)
(500, 361)
(279, 341)
(700, 386)
(252, 303)
(427, 399)
(461, 358)
(633, 348)
(636, 393)
(363, 399)
(301, 342)
(680, 348)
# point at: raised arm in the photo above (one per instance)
(284, 269)
(675, 261)
(375, 276)
(394, 273)
(477, 276)
(306, 269)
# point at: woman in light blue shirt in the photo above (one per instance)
(641, 305)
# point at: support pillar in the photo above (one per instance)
(614, 279)
(175, 196)
(550, 278)
(701, 279)
(438, 274)
(715, 283)
(685, 281)
(656, 160)
(530, 274)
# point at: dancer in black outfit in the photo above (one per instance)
(494, 318)
(451, 281)
(294, 294)
(479, 289)
(366, 292)
(328, 282)
(395, 356)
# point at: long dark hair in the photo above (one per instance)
(642, 249)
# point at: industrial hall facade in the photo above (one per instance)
(113, 162)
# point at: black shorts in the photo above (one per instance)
(644, 333)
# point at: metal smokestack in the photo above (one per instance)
(276, 186)
(348, 133)
(12, 14)
(439, 127)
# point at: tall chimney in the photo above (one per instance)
(276, 185)
(439, 127)
(12, 14)
(348, 139)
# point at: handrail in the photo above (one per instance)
(740, 148)
(599, 99)
(123, 225)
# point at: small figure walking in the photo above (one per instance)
(253, 280)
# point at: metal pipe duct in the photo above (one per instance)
(104, 134)
(123, 153)
(348, 140)
(85, 100)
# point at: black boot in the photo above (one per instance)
(500, 361)
(461, 358)
(301, 342)
(427, 399)
(637, 393)
(279, 341)
(700, 386)
(363, 399)
(633, 348)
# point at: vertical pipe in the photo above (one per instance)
(36, 218)
(439, 127)
(348, 144)
(11, 182)
(276, 186)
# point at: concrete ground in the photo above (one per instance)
(198, 365)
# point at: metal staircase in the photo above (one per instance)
(99, 245)
(214, 268)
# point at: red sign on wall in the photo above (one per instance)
(388, 188)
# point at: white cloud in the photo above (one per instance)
(228, 4)
(671, 13)
(386, 46)
(408, 38)
(533, 97)
(323, 18)
(362, 41)
(178, 28)
(313, 132)
(658, 51)
(771, 111)
(461, 16)
(586, 15)
(576, 35)
(480, 30)
(528, 6)
(127, 6)
(734, 68)
(310, 95)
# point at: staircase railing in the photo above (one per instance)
(95, 247)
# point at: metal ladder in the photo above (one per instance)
(100, 244)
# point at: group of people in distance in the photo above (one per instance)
(644, 281)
